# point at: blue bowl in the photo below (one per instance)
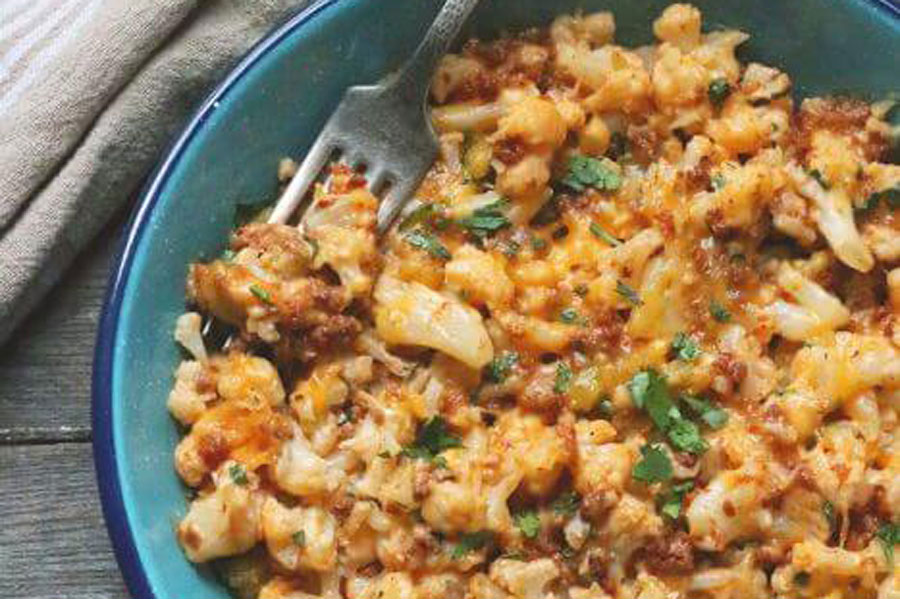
(272, 105)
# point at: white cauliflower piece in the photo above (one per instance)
(300, 471)
(729, 508)
(187, 401)
(413, 314)
(480, 276)
(188, 334)
(815, 312)
(300, 537)
(524, 580)
(225, 522)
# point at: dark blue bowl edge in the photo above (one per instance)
(103, 442)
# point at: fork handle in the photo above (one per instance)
(414, 77)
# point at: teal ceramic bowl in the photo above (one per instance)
(272, 105)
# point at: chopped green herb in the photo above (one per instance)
(671, 502)
(569, 316)
(685, 347)
(514, 555)
(433, 438)
(429, 243)
(650, 393)
(440, 461)
(801, 579)
(470, 542)
(500, 367)
(654, 466)
(713, 416)
(261, 294)
(537, 244)
(820, 178)
(628, 294)
(238, 475)
(719, 312)
(423, 215)
(566, 504)
(299, 538)
(563, 378)
(601, 233)
(228, 256)
(685, 436)
(584, 172)
(890, 196)
(718, 92)
(487, 220)
(889, 535)
(605, 407)
(529, 523)
(717, 181)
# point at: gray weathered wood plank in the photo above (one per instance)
(53, 544)
(45, 370)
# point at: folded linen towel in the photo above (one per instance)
(90, 93)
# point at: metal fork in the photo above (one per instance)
(383, 127)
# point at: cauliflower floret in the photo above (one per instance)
(300, 471)
(480, 275)
(455, 73)
(815, 312)
(532, 448)
(729, 508)
(526, 178)
(188, 334)
(524, 580)
(629, 526)
(299, 537)
(838, 465)
(412, 314)
(343, 226)
(679, 24)
(248, 379)
(678, 79)
(188, 398)
(596, 28)
(536, 122)
(602, 467)
(224, 522)
(393, 585)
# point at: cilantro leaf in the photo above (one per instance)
(713, 416)
(685, 436)
(433, 438)
(486, 220)
(563, 378)
(654, 466)
(470, 542)
(238, 475)
(529, 523)
(830, 516)
(299, 538)
(889, 535)
(650, 393)
(718, 91)
(628, 294)
(671, 502)
(717, 181)
(685, 347)
(719, 312)
(500, 367)
(429, 243)
(890, 196)
(422, 215)
(569, 316)
(601, 233)
(820, 178)
(584, 172)
(261, 294)
(566, 504)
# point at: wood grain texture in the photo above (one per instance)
(53, 544)
(45, 370)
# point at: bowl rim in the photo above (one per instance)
(118, 525)
(121, 533)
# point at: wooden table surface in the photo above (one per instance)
(53, 543)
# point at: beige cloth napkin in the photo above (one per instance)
(90, 93)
